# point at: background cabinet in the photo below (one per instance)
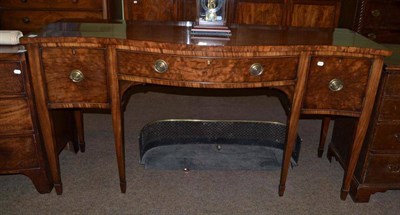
(305, 13)
(31, 15)
(160, 10)
(21, 149)
(376, 19)
(378, 168)
(301, 13)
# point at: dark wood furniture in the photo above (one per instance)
(31, 15)
(21, 146)
(22, 149)
(305, 13)
(378, 168)
(376, 19)
(75, 67)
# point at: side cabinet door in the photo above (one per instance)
(150, 10)
(269, 12)
(322, 14)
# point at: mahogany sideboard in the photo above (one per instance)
(92, 65)
(378, 168)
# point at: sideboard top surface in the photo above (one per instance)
(130, 32)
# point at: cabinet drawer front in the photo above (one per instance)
(59, 63)
(392, 87)
(53, 4)
(14, 115)
(10, 82)
(387, 137)
(382, 14)
(383, 168)
(390, 109)
(353, 74)
(34, 20)
(382, 35)
(217, 70)
(260, 13)
(17, 153)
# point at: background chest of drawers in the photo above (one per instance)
(31, 15)
(378, 168)
(305, 13)
(376, 19)
(21, 142)
(21, 149)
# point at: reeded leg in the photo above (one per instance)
(290, 142)
(117, 118)
(282, 189)
(293, 121)
(324, 132)
(362, 125)
(119, 147)
(343, 194)
(78, 114)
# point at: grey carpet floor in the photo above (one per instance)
(91, 183)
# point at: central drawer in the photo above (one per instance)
(75, 75)
(204, 69)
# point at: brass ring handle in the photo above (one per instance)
(372, 36)
(256, 69)
(394, 168)
(376, 13)
(336, 85)
(76, 76)
(160, 66)
(26, 20)
(397, 136)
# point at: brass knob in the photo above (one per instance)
(256, 69)
(26, 20)
(336, 85)
(394, 168)
(160, 66)
(397, 137)
(372, 36)
(76, 76)
(376, 13)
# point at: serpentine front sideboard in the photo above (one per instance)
(77, 65)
